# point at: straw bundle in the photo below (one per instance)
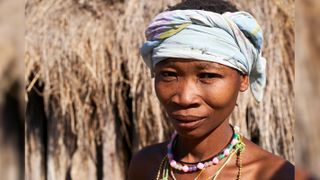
(97, 92)
(91, 101)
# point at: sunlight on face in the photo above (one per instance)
(197, 95)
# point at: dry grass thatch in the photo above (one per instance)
(83, 58)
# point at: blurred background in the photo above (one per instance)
(12, 104)
(85, 103)
(307, 86)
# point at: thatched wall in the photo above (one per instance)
(91, 102)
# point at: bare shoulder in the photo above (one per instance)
(267, 165)
(145, 164)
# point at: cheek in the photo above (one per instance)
(220, 94)
(163, 92)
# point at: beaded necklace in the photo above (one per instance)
(192, 167)
(235, 146)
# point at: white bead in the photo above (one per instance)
(200, 165)
(236, 129)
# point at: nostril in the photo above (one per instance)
(185, 102)
(186, 106)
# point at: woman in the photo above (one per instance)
(202, 53)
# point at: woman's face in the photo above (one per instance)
(197, 95)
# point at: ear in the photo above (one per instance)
(244, 82)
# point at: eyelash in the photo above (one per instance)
(204, 77)
(168, 73)
(168, 76)
(209, 75)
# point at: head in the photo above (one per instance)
(193, 89)
(199, 91)
(198, 65)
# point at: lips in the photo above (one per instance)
(186, 118)
(187, 121)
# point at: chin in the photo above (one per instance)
(191, 134)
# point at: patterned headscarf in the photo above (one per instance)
(231, 39)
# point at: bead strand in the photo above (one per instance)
(204, 164)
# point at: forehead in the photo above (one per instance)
(198, 64)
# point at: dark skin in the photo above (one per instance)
(199, 97)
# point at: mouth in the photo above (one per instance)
(187, 121)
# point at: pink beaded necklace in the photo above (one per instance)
(214, 160)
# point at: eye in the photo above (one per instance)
(168, 75)
(208, 78)
(209, 75)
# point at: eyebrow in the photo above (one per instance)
(208, 65)
(170, 64)
(199, 65)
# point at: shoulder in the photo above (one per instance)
(145, 163)
(267, 165)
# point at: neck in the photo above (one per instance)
(195, 150)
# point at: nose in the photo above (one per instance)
(186, 94)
